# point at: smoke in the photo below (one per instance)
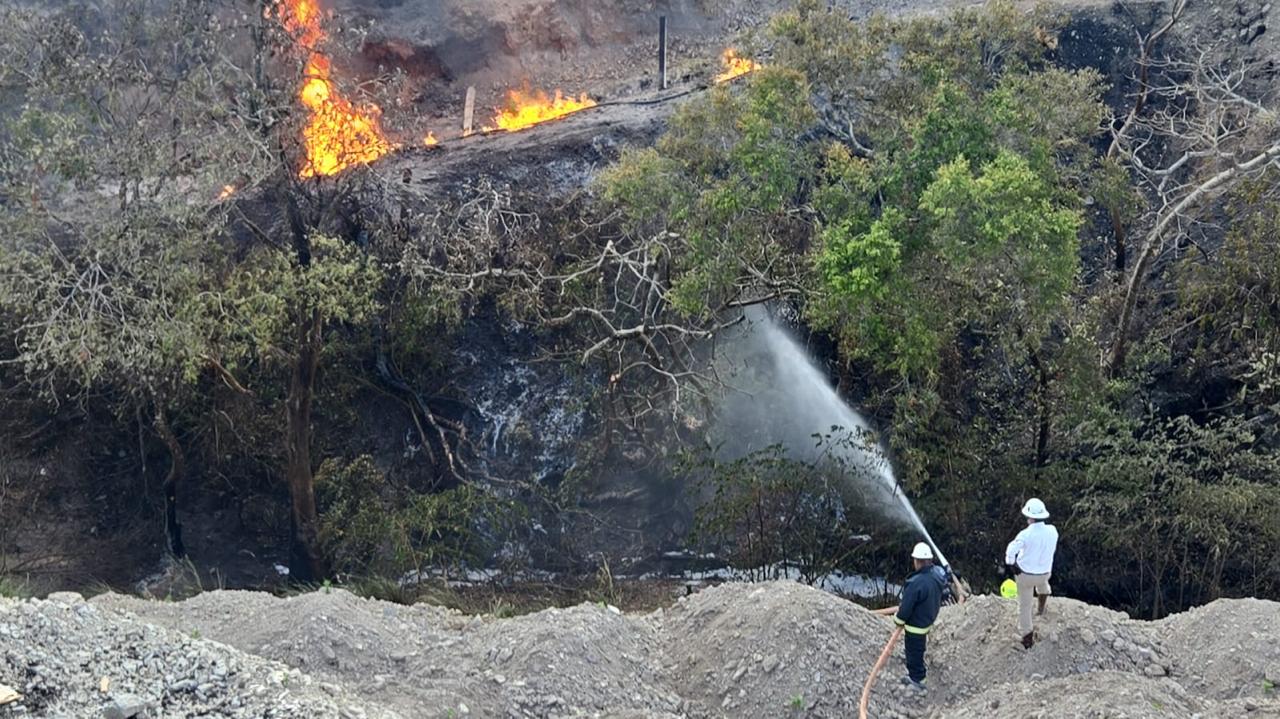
(779, 396)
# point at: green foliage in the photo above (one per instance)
(719, 189)
(966, 196)
(1008, 232)
(121, 309)
(765, 512)
(272, 294)
(996, 247)
(13, 588)
(370, 527)
(1189, 504)
(108, 230)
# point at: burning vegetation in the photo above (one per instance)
(735, 66)
(339, 134)
(526, 109)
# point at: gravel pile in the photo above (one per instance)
(778, 649)
(424, 661)
(1103, 695)
(68, 658)
(974, 645)
(1229, 648)
(737, 650)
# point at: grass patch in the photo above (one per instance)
(15, 588)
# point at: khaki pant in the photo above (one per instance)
(1026, 600)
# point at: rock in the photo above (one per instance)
(125, 706)
(1107, 635)
(68, 598)
(770, 663)
(8, 695)
(1272, 673)
(1154, 670)
(1088, 637)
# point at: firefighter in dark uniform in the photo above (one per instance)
(922, 598)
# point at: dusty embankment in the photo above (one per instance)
(740, 650)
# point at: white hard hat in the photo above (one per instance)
(922, 551)
(1035, 509)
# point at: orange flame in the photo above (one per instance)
(430, 140)
(339, 134)
(227, 191)
(525, 109)
(735, 66)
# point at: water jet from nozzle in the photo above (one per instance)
(784, 398)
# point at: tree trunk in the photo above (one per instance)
(172, 481)
(1119, 233)
(305, 560)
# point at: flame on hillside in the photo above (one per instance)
(227, 191)
(430, 140)
(526, 109)
(735, 66)
(339, 134)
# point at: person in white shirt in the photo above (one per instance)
(1030, 557)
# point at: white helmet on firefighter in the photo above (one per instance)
(922, 551)
(1035, 509)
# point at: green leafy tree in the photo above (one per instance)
(128, 268)
(370, 527)
(114, 166)
(279, 307)
(1182, 505)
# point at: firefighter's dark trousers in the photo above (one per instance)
(913, 647)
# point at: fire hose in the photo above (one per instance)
(875, 671)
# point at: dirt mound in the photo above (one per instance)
(1229, 648)
(975, 644)
(331, 634)
(1101, 695)
(72, 659)
(587, 659)
(778, 649)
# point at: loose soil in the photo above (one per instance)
(777, 649)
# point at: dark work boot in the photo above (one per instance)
(1044, 599)
(1028, 640)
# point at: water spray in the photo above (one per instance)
(792, 401)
